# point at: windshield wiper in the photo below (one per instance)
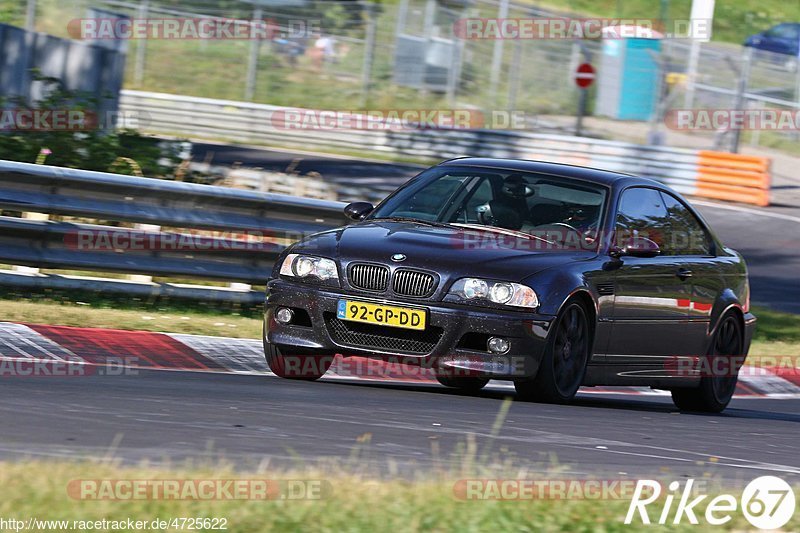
(432, 223)
(504, 231)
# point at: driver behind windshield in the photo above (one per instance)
(557, 209)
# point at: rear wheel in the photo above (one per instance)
(471, 384)
(296, 363)
(715, 391)
(564, 363)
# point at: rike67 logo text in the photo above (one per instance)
(767, 502)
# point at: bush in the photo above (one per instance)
(89, 149)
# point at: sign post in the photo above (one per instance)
(584, 77)
(702, 15)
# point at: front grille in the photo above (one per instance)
(413, 283)
(382, 338)
(369, 277)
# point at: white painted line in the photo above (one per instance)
(757, 466)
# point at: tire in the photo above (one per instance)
(466, 384)
(564, 363)
(296, 363)
(715, 392)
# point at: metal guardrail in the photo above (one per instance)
(683, 169)
(253, 228)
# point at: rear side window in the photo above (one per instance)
(688, 237)
(784, 31)
(642, 213)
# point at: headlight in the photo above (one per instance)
(498, 292)
(303, 266)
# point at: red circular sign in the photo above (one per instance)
(584, 75)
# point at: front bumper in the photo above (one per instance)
(448, 324)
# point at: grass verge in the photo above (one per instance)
(349, 503)
(238, 323)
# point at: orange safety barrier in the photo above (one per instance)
(733, 177)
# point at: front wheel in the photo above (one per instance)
(564, 363)
(296, 363)
(715, 391)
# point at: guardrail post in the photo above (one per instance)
(141, 278)
(31, 216)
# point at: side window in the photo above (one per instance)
(688, 237)
(784, 31)
(642, 213)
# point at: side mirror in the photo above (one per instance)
(636, 247)
(358, 210)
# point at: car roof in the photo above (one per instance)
(594, 175)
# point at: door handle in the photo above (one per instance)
(684, 273)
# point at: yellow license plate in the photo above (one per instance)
(385, 315)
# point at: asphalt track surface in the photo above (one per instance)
(172, 416)
(164, 416)
(768, 238)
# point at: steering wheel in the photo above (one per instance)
(484, 215)
(553, 231)
(565, 225)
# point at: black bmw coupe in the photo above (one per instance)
(548, 275)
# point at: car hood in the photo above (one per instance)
(451, 252)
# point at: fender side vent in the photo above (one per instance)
(606, 288)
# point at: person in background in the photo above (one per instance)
(323, 51)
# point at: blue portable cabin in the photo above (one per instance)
(629, 74)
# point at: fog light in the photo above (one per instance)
(498, 345)
(284, 315)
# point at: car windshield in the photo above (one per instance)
(560, 210)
